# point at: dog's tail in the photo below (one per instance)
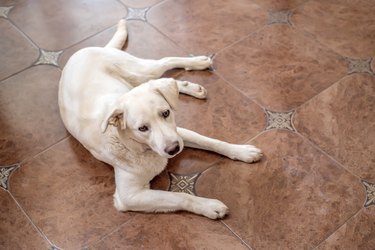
(119, 38)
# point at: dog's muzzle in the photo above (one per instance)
(173, 149)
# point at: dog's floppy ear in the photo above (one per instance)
(168, 89)
(116, 117)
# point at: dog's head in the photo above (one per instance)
(146, 114)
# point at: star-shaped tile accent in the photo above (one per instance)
(5, 172)
(4, 11)
(370, 193)
(359, 66)
(279, 120)
(137, 14)
(183, 183)
(279, 17)
(48, 57)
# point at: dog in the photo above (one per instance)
(117, 106)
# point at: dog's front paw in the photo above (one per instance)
(214, 209)
(193, 89)
(200, 63)
(246, 153)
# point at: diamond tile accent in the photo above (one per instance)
(183, 183)
(370, 193)
(5, 172)
(137, 14)
(4, 11)
(281, 17)
(359, 66)
(279, 120)
(49, 57)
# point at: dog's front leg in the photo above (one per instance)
(246, 153)
(131, 195)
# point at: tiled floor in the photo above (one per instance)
(294, 77)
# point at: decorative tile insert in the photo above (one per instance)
(4, 11)
(370, 193)
(359, 66)
(279, 120)
(5, 172)
(48, 57)
(137, 14)
(281, 17)
(183, 183)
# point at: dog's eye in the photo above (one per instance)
(143, 128)
(165, 114)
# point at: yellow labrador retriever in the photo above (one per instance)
(118, 108)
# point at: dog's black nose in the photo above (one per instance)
(172, 149)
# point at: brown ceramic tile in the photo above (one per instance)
(188, 162)
(357, 233)
(12, 45)
(29, 115)
(11, 2)
(16, 231)
(191, 161)
(225, 115)
(276, 5)
(139, 43)
(171, 231)
(348, 27)
(68, 195)
(293, 199)
(341, 122)
(55, 25)
(206, 26)
(279, 67)
(140, 3)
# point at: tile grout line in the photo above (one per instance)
(167, 37)
(44, 150)
(338, 228)
(235, 234)
(327, 155)
(111, 232)
(321, 92)
(239, 90)
(242, 38)
(40, 232)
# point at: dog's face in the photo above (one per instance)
(146, 114)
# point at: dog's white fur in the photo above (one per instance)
(106, 96)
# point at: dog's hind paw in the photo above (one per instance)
(200, 63)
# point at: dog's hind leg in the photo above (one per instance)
(245, 153)
(119, 38)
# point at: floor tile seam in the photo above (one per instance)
(18, 72)
(300, 30)
(185, 51)
(111, 232)
(338, 228)
(220, 50)
(30, 157)
(40, 232)
(235, 234)
(239, 91)
(30, 41)
(27, 37)
(81, 41)
(328, 155)
(320, 93)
